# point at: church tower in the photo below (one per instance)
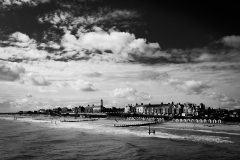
(101, 103)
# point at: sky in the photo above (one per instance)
(61, 53)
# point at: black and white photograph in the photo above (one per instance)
(119, 80)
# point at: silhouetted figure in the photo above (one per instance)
(153, 131)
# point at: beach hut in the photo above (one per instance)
(204, 121)
(214, 121)
(219, 121)
(209, 121)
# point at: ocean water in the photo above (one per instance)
(29, 139)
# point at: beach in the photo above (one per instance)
(71, 121)
(202, 126)
(46, 137)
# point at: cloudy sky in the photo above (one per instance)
(71, 53)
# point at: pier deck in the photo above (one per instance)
(132, 125)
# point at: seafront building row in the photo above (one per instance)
(172, 110)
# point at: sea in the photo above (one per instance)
(39, 140)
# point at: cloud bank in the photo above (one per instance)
(130, 94)
(222, 98)
(79, 85)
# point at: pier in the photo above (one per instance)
(78, 120)
(134, 125)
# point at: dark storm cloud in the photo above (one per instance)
(214, 52)
(45, 19)
(47, 23)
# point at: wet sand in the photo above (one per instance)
(200, 126)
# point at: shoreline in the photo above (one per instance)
(201, 127)
(106, 126)
(66, 121)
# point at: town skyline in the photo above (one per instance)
(60, 53)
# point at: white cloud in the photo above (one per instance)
(152, 75)
(93, 74)
(189, 86)
(121, 44)
(20, 46)
(8, 3)
(130, 94)
(115, 41)
(172, 82)
(140, 48)
(21, 40)
(231, 41)
(28, 95)
(193, 87)
(23, 103)
(17, 36)
(223, 99)
(205, 57)
(101, 16)
(237, 107)
(83, 85)
(57, 17)
(79, 85)
(10, 71)
(2, 100)
(53, 45)
(22, 53)
(46, 90)
(111, 104)
(39, 81)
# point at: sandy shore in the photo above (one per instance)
(112, 122)
(197, 126)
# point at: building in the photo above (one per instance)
(95, 108)
(89, 109)
(154, 109)
(42, 111)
